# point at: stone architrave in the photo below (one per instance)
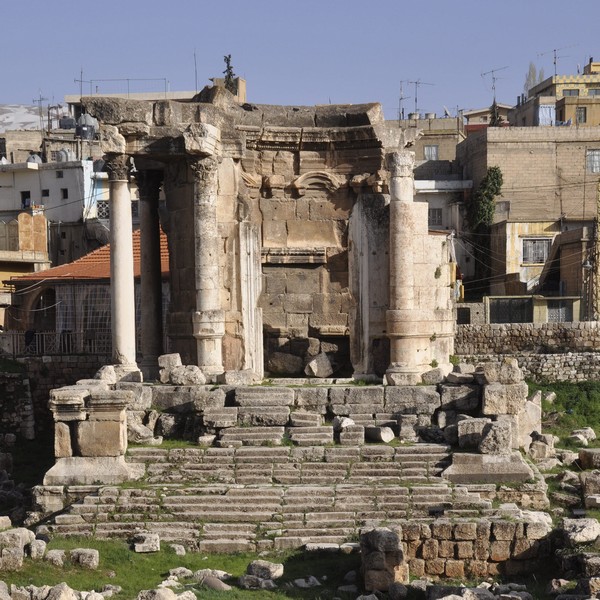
(121, 262)
(208, 319)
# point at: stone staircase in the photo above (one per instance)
(253, 498)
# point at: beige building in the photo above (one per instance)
(563, 100)
(550, 180)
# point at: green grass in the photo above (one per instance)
(135, 572)
(577, 405)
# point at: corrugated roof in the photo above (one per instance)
(96, 264)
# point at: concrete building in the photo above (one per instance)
(567, 100)
(550, 187)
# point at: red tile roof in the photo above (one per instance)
(96, 264)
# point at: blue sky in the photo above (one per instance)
(297, 52)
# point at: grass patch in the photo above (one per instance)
(577, 405)
(134, 572)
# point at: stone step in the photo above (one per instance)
(264, 396)
(252, 436)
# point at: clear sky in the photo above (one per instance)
(296, 52)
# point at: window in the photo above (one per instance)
(592, 159)
(59, 174)
(45, 193)
(580, 114)
(594, 92)
(431, 152)
(64, 193)
(536, 251)
(570, 92)
(435, 217)
(25, 199)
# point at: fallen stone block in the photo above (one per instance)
(88, 558)
(379, 434)
(146, 542)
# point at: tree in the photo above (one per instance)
(495, 117)
(532, 78)
(229, 75)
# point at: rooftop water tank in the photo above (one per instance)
(67, 123)
(34, 158)
(86, 127)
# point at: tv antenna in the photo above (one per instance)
(81, 81)
(400, 99)
(493, 72)
(39, 101)
(555, 55)
(418, 83)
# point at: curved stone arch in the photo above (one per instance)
(318, 179)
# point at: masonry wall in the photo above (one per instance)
(475, 549)
(544, 169)
(49, 372)
(547, 352)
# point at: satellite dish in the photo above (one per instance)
(446, 111)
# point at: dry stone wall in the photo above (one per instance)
(547, 352)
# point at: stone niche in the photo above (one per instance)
(90, 436)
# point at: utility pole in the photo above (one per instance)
(40, 110)
(596, 262)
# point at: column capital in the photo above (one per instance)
(117, 166)
(400, 163)
(148, 183)
(205, 170)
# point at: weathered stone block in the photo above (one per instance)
(470, 432)
(411, 399)
(500, 399)
(62, 440)
(465, 531)
(455, 569)
(499, 551)
(460, 397)
(100, 438)
(496, 438)
(88, 558)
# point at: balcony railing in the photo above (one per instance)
(37, 343)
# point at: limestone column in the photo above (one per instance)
(121, 262)
(209, 318)
(403, 320)
(151, 318)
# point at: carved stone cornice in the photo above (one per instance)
(117, 166)
(318, 179)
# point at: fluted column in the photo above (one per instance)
(208, 319)
(151, 318)
(121, 262)
(403, 322)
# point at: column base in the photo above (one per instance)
(150, 369)
(128, 373)
(397, 375)
(80, 470)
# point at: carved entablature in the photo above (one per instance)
(370, 182)
(290, 256)
(318, 179)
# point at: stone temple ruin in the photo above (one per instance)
(296, 250)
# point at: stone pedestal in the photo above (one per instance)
(90, 437)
